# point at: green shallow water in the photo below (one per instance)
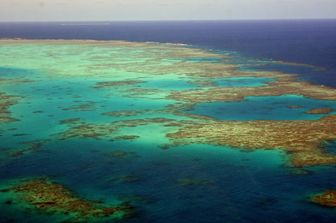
(187, 183)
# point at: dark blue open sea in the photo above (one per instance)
(229, 185)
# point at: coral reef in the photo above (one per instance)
(69, 121)
(100, 131)
(14, 81)
(107, 84)
(124, 113)
(50, 197)
(294, 106)
(86, 130)
(89, 106)
(120, 154)
(276, 88)
(302, 140)
(319, 111)
(191, 181)
(326, 198)
(126, 137)
(5, 102)
(27, 148)
(125, 179)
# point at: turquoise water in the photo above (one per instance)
(168, 84)
(242, 82)
(190, 183)
(265, 108)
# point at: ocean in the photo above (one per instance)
(185, 183)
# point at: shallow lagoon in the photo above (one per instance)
(200, 183)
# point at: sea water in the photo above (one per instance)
(225, 184)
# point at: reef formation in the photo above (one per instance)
(50, 197)
(302, 140)
(326, 198)
(6, 101)
(319, 111)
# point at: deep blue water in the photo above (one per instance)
(300, 41)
